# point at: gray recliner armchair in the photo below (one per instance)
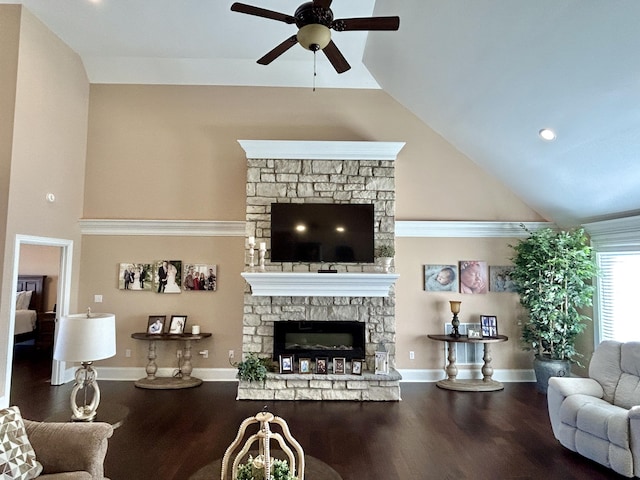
(599, 416)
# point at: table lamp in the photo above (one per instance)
(85, 338)
(455, 309)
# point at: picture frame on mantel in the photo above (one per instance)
(321, 365)
(339, 365)
(286, 363)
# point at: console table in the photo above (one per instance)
(185, 380)
(486, 384)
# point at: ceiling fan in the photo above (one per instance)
(315, 22)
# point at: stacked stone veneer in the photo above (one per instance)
(317, 181)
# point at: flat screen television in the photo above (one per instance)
(322, 232)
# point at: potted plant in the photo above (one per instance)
(253, 368)
(552, 272)
(385, 253)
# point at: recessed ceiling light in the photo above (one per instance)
(547, 134)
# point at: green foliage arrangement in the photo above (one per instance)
(253, 469)
(253, 368)
(553, 274)
(385, 251)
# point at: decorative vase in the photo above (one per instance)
(546, 368)
(386, 264)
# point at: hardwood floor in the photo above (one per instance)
(430, 434)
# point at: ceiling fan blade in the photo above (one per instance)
(322, 3)
(262, 12)
(335, 57)
(367, 23)
(279, 50)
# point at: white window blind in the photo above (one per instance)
(618, 287)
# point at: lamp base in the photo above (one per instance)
(85, 379)
(455, 323)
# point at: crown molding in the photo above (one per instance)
(460, 229)
(320, 150)
(183, 228)
(619, 233)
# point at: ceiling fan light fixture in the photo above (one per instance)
(314, 36)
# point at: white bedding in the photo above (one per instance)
(25, 321)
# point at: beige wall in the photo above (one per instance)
(48, 148)
(166, 152)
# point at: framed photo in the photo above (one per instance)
(155, 325)
(474, 331)
(441, 278)
(489, 325)
(321, 365)
(357, 365)
(305, 365)
(177, 324)
(200, 277)
(474, 276)
(286, 363)
(382, 363)
(339, 365)
(500, 279)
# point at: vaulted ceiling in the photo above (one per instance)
(487, 75)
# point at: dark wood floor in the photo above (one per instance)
(430, 434)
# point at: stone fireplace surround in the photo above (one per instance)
(332, 172)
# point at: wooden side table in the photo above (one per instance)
(486, 384)
(169, 383)
(45, 331)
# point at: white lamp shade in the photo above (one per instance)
(85, 339)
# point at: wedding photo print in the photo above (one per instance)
(135, 276)
(441, 278)
(167, 276)
(200, 277)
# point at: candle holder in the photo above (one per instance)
(261, 255)
(455, 309)
(251, 253)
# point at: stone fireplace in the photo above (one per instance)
(332, 172)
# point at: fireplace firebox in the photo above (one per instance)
(313, 339)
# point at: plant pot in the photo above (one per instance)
(546, 368)
(386, 264)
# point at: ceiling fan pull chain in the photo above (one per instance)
(314, 70)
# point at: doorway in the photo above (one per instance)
(63, 288)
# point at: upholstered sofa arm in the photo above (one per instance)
(566, 386)
(69, 447)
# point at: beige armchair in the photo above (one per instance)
(69, 451)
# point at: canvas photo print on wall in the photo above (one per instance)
(500, 279)
(200, 277)
(135, 276)
(167, 276)
(474, 276)
(441, 278)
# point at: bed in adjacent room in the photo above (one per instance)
(29, 303)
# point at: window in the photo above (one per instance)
(617, 246)
(616, 304)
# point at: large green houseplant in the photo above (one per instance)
(553, 271)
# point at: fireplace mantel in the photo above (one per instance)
(303, 284)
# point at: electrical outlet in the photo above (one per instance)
(97, 298)
(231, 354)
(179, 353)
(412, 355)
(127, 353)
(205, 353)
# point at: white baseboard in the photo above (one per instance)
(229, 374)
